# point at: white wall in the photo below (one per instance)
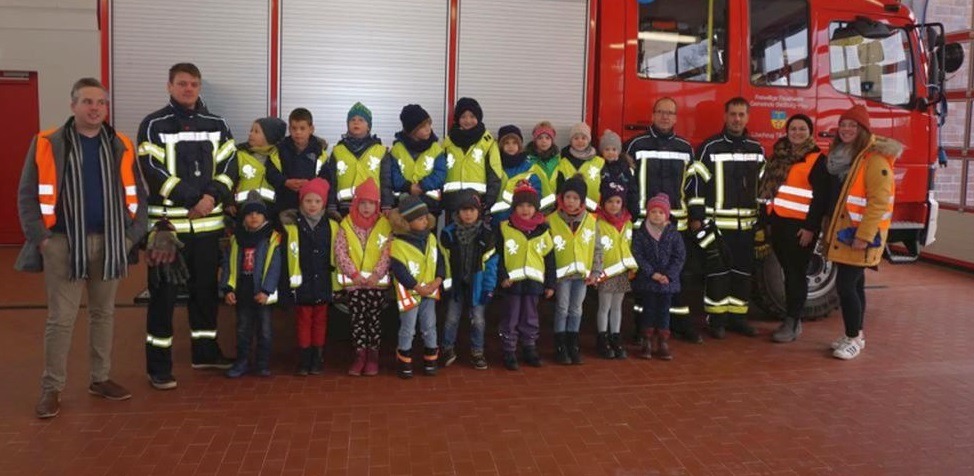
(58, 39)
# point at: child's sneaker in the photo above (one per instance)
(449, 356)
(478, 361)
(849, 351)
(405, 363)
(510, 361)
(531, 356)
(430, 356)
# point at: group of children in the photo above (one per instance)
(521, 223)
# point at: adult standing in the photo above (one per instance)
(856, 236)
(796, 188)
(188, 158)
(81, 213)
(663, 165)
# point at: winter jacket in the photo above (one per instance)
(400, 229)
(481, 282)
(526, 287)
(394, 181)
(876, 161)
(738, 176)
(296, 164)
(618, 172)
(263, 283)
(509, 172)
(314, 256)
(665, 256)
(663, 162)
(330, 173)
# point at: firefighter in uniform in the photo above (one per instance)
(725, 177)
(188, 159)
(663, 165)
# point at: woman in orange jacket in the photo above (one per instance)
(856, 235)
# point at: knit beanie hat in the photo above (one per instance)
(857, 113)
(610, 139)
(274, 129)
(359, 109)
(509, 130)
(465, 104)
(468, 198)
(525, 193)
(411, 208)
(543, 127)
(317, 186)
(581, 129)
(367, 190)
(253, 204)
(662, 201)
(612, 189)
(574, 184)
(412, 116)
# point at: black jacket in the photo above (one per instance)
(314, 255)
(657, 174)
(740, 177)
(295, 164)
(618, 172)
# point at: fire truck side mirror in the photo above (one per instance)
(953, 57)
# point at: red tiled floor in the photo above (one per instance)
(742, 406)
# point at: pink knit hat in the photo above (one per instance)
(662, 201)
(317, 186)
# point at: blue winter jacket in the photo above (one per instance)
(665, 256)
(511, 172)
(268, 285)
(484, 281)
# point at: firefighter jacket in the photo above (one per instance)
(185, 154)
(865, 203)
(724, 182)
(663, 165)
(38, 200)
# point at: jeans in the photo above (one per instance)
(250, 319)
(570, 294)
(453, 313)
(425, 313)
(850, 281)
(656, 311)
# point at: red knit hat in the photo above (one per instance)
(524, 192)
(857, 113)
(367, 190)
(662, 201)
(317, 186)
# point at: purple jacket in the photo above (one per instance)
(665, 256)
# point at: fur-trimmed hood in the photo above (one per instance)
(401, 227)
(886, 146)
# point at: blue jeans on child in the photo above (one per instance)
(425, 313)
(454, 311)
(656, 311)
(569, 296)
(253, 318)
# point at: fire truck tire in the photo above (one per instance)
(769, 288)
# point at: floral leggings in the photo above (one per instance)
(366, 306)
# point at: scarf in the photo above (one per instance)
(655, 231)
(116, 261)
(466, 138)
(840, 161)
(251, 238)
(584, 154)
(784, 156)
(618, 221)
(358, 144)
(359, 220)
(512, 161)
(416, 146)
(544, 155)
(527, 225)
(466, 239)
(313, 219)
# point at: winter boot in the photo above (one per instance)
(371, 362)
(304, 361)
(317, 360)
(405, 363)
(561, 349)
(449, 356)
(510, 361)
(788, 331)
(239, 369)
(359, 365)
(574, 352)
(615, 341)
(739, 324)
(603, 347)
(647, 347)
(478, 360)
(662, 345)
(430, 356)
(530, 355)
(717, 324)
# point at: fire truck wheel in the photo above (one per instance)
(769, 288)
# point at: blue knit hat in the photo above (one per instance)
(360, 110)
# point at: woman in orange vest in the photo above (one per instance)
(796, 189)
(856, 235)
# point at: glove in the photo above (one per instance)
(162, 248)
(762, 248)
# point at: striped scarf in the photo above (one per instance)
(116, 261)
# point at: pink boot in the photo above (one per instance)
(372, 362)
(359, 364)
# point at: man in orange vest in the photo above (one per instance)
(81, 209)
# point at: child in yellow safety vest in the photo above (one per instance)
(472, 157)
(543, 152)
(255, 157)
(358, 156)
(418, 269)
(615, 236)
(578, 264)
(417, 164)
(580, 158)
(250, 272)
(362, 256)
(516, 167)
(525, 271)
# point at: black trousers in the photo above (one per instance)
(794, 260)
(728, 285)
(202, 255)
(851, 284)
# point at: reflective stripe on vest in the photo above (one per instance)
(274, 242)
(510, 183)
(415, 170)
(352, 170)
(253, 174)
(616, 249)
(422, 267)
(591, 172)
(296, 278)
(468, 170)
(574, 252)
(365, 258)
(448, 283)
(523, 257)
(794, 197)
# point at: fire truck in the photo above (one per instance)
(602, 61)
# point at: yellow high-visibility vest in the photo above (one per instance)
(574, 252)
(523, 257)
(616, 250)
(415, 170)
(352, 170)
(275, 241)
(365, 257)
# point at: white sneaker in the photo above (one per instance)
(842, 341)
(850, 350)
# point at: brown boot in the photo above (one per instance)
(648, 339)
(663, 347)
(49, 405)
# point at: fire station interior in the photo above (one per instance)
(733, 406)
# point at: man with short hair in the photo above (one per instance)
(723, 215)
(188, 158)
(81, 209)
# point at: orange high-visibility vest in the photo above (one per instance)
(855, 202)
(47, 180)
(794, 196)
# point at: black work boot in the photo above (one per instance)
(574, 352)
(615, 341)
(405, 359)
(430, 356)
(603, 347)
(739, 324)
(716, 324)
(561, 349)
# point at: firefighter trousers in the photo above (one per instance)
(202, 256)
(728, 282)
